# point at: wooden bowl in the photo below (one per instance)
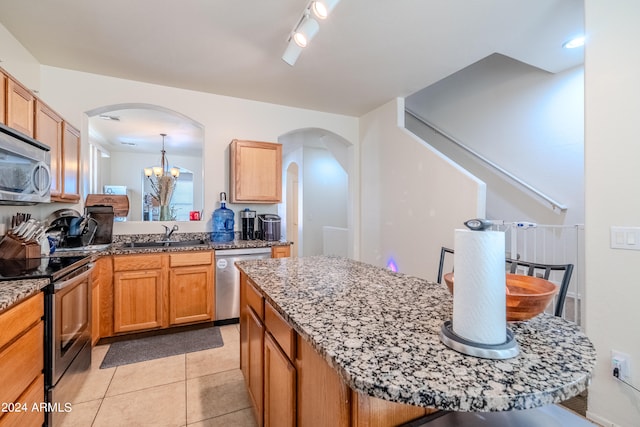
(527, 296)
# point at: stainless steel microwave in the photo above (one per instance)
(25, 169)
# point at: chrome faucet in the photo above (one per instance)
(169, 231)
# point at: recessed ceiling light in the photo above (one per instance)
(574, 43)
(107, 117)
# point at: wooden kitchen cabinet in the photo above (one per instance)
(255, 172)
(279, 370)
(3, 97)
(255, 337)
(191, 296)
(20, 107)
(281, 251)
(102, 299)
(294, 385)
(279, 386)
(22, 360)
(48, 130)
(70, 172)
(138, 292)
(252, 343)
(158, 290)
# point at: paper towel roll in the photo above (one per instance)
(479, 297)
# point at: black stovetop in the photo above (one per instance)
(52, 268)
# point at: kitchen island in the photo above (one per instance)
(379, 332)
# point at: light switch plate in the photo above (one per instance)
(625, 238)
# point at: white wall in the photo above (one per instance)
(72, 93)
(325, 197)
(612, 153)
(412, 197)
(526, 120)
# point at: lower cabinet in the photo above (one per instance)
(279, 386)
(291, 384)
(191, 296)
(138, 300)
(22, 362)
(152, 291)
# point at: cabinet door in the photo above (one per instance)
(70, 163)
(279, 386)
(280, 251)
(138, 300)
(190, 294)
(255, 335)
(20, 107)
(48, 130)
(256, 172)
(3, 98)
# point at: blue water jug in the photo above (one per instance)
(223, 222)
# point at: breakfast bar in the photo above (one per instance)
(379, 331)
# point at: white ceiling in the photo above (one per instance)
(366, 53)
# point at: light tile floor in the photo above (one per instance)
(204, 389)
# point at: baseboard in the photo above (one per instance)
(600, 420)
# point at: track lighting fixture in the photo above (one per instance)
(306, 28)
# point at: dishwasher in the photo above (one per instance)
(228, 280)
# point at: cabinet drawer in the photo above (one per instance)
(21, 363)
(190, 258)
(254, 299)
(20, 317)
(29, 401)
(137, 262)
(280, 330)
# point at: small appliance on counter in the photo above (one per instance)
(269, 227)
(104, 216)
(67, 228)
(248, 220)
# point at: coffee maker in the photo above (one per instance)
(248, 220)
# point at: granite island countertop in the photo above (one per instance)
(380, 331)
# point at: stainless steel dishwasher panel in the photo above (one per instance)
(228, 279)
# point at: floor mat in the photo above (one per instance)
(158, 346)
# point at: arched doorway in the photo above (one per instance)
(322, 194)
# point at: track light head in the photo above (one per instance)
(322, 8)
(306, 31)
(292, 53)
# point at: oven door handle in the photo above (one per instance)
(75, 279)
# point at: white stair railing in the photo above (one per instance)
(552, 244)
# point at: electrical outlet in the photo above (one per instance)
(622, 362)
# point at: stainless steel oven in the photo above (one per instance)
(67, 321)
(68, 336)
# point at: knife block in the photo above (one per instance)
(14, 247)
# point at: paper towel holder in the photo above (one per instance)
(506, 350)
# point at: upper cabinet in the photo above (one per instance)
(3, 98)
(70, 173)
(49, 131)
(255, 172)
(20, 107)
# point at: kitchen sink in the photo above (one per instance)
(165, 244)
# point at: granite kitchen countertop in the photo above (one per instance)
(119, 245)
(380, 331)
(14, 291)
